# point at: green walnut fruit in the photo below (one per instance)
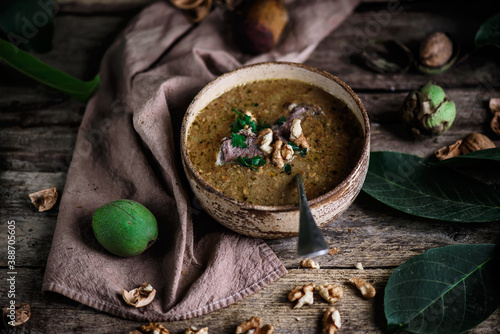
(124, 227)
(428, 111)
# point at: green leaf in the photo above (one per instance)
(252, 163)
(241, 121)
(489, 32)
(238, 140)
(287, 169)
(28, 23)
(32, 67)
(406, 182)
(258, 161)
(295, 147)
(280, 121)
(445, 290)
(472, 158)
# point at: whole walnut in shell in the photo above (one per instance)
(436, 50)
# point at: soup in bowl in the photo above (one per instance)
(248, 133)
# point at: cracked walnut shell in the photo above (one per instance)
(44, 199)
(140, 296)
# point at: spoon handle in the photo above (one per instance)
(311, 241)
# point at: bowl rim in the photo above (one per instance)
(189, 167)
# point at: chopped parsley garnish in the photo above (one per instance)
(252, 163)
(280, 121)
(262, 126)
(302, 151)
(238, 140)
(241, 121)
(287, 169)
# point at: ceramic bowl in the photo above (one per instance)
(272, 222)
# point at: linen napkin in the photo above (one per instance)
(128, 148)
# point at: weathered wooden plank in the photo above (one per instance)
(56, 314)
(368, 232)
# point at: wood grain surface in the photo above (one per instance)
(38, 128)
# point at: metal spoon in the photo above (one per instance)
(311, 241)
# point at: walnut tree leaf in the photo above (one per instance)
(444, 290)
(407, 183)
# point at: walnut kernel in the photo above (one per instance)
(331, 321)
(450, 151)
(194, 330)
(277, 159)
(296, 134)
(264, 139)
(252, 326)
(308, 263)
(303, 294)
(154, 328)
(366, 289)
(330, 292)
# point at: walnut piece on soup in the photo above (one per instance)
(249, 142)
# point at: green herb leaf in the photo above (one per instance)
(287, 169)
(445, 290)
(252, 163)
(31, 66)
(302, 151)
(406, 182)
(280, 121)
(28, 23)
(241, 121)
(489, 32)
(238, 140)
(262, 126)
(472, 158)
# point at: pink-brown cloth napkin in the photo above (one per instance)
(128, 148)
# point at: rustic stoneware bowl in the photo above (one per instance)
(272, 222)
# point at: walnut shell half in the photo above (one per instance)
(140, 296)
(44, 199)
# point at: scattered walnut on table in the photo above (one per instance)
(252, 326)
(194, 330)
(331, 321)
(366, 289)
(303, 294)
(44, 199)
(330, 292)
(359, 266)
(140, 296)
(15, 315)
(154, 328)
(308, 263)
(334, 251)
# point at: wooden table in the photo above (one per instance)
(38, 133)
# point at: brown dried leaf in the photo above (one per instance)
(449, 151)
(16, 315)
(44, 199)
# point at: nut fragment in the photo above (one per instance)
(331, 321)
(436, 50)
(44, 199)
(140, 296)
(252, 326)
(287, 152)
(16, 314)
(359, 266)
(308, 263)
(296, 134)
(303, 294)
(334, 251)
(194, 330)
(277, 159)
(330, 292)
(475, 142)
(264, 139)
(366, 289)
(154, 328)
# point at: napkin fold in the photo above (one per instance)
(128, 148)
